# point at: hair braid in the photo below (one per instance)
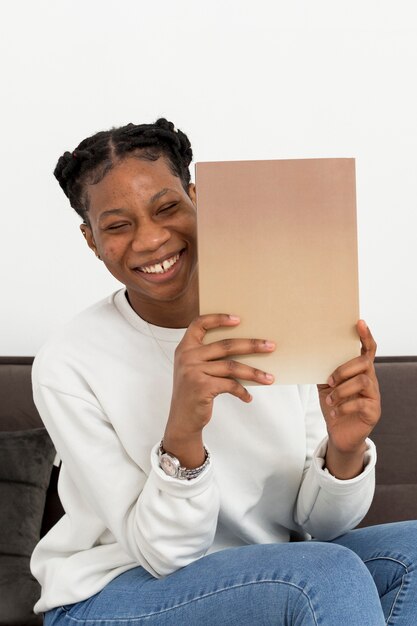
(97, 154)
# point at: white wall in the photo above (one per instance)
(245, 80)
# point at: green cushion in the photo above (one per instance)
(26, 459)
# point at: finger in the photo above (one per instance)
(359, 385)
(233, 369)
(233, 387)
(360, 365)
(364, 408)
(201, 324)
(367, 340)
(227, 347)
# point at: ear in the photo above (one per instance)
(192, 192)
(88, 236)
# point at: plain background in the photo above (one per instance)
(245, 80)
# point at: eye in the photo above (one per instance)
(168, 208)
(116, 226)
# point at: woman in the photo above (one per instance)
(182, 490)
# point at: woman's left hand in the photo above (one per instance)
(350, 402)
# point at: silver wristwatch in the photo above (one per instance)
(172, 467)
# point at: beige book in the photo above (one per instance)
(278, 247)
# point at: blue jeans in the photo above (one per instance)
(364, 578)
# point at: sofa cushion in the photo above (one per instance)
(26, 459)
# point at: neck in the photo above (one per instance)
(177, 313)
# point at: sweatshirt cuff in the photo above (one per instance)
(337, 485)
(176, 486)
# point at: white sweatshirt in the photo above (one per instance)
(103, 387)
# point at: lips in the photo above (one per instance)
(162, 269)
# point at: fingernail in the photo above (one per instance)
(332, 413)
(330, 381)
(234, 318)
(269, 344)
(269, 377)
(329, 399)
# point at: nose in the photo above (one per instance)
(149, 235)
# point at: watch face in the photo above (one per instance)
(169, 464)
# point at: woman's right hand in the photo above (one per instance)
(202, 372)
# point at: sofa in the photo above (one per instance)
(29, 502)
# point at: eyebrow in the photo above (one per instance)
(159, 194)
(153, 198)
(110, 212)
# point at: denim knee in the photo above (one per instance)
(326, 560)
(339, 586)
(397, 540)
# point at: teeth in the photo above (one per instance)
(160, 268)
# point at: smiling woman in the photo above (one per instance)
(169, 531)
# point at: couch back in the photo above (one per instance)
(395, 435)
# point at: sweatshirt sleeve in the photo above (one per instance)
(327, 507)
(162, 523)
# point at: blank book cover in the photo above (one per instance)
(277, 246)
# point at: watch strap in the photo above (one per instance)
(184, 473)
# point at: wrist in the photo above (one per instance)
(343, 464)
(189, 450)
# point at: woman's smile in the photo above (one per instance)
(161, 271)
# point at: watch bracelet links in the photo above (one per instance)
(189, 474)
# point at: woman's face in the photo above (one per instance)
(142, 224)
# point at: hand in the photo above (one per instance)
(351, 405)
(201, 373)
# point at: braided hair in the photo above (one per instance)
(96, 155)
